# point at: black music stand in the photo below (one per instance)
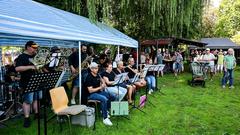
(134, 95)
(42, 82)
(62, 79)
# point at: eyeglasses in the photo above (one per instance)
(35, 48)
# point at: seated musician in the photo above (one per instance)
(125, 84)
(96, 91)
(151, 80)
(108, 77)
(132, 71)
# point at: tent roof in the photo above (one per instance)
(32, 19)
(218, 43)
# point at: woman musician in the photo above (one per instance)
(132, 71)
(109, 77)
(130, 88)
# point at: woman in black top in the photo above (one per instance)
(132, 71)
(130, 88)
(109, 77)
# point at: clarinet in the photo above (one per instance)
(102, 81)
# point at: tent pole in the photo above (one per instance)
(80, 75)
(118, 52)
(137, 58)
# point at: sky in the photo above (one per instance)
(216, 3)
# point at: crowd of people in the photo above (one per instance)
(217, 61)
(98, 73)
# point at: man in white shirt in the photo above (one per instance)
(209, 57)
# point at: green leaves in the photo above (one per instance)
(141, 19)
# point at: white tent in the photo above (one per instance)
(32, 19)
(21, 20)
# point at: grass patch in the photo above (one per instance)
(181, 110)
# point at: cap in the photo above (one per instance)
(54, 49)
(93, 65)
(207, 49)
(31, 44)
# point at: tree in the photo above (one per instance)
(228, 23)
(141, 19)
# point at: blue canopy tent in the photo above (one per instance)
(32, 19)
(22, 20)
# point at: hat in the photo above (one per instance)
(31, 44)
(93, 65)
(207, 49)
(54, 49)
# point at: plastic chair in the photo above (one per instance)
(60, 104)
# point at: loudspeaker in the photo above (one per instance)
(119, 108)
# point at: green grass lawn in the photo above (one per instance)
(181, 110)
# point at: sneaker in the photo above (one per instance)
(73, 102)
(107, 122)
(149, 92)
(223, 86)
(108, 114)
(231, 87)
(27, 122)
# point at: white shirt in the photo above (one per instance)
(209, 57)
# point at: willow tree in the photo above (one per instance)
(141, 19)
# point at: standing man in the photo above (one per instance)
(73, 61)
(229, 64)
(84, 54)
(209, 57)
(26, 68)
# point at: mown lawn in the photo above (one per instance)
(181, 110)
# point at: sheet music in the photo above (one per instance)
(158, 67)
(54, 60)
(135, 78)
(63, 78)
(120, 78)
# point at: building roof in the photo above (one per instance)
(172, 41)
(219, 43)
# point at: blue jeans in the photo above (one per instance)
(30, 97)
(228, 75)
(151, 82)
(76, 81)
(105, 99)
(119, 95)
(177, 66)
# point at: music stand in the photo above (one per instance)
(42, 82)
(135, 79)
(159, 68)
(62, 79)
(117, 105)
(144, 98)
